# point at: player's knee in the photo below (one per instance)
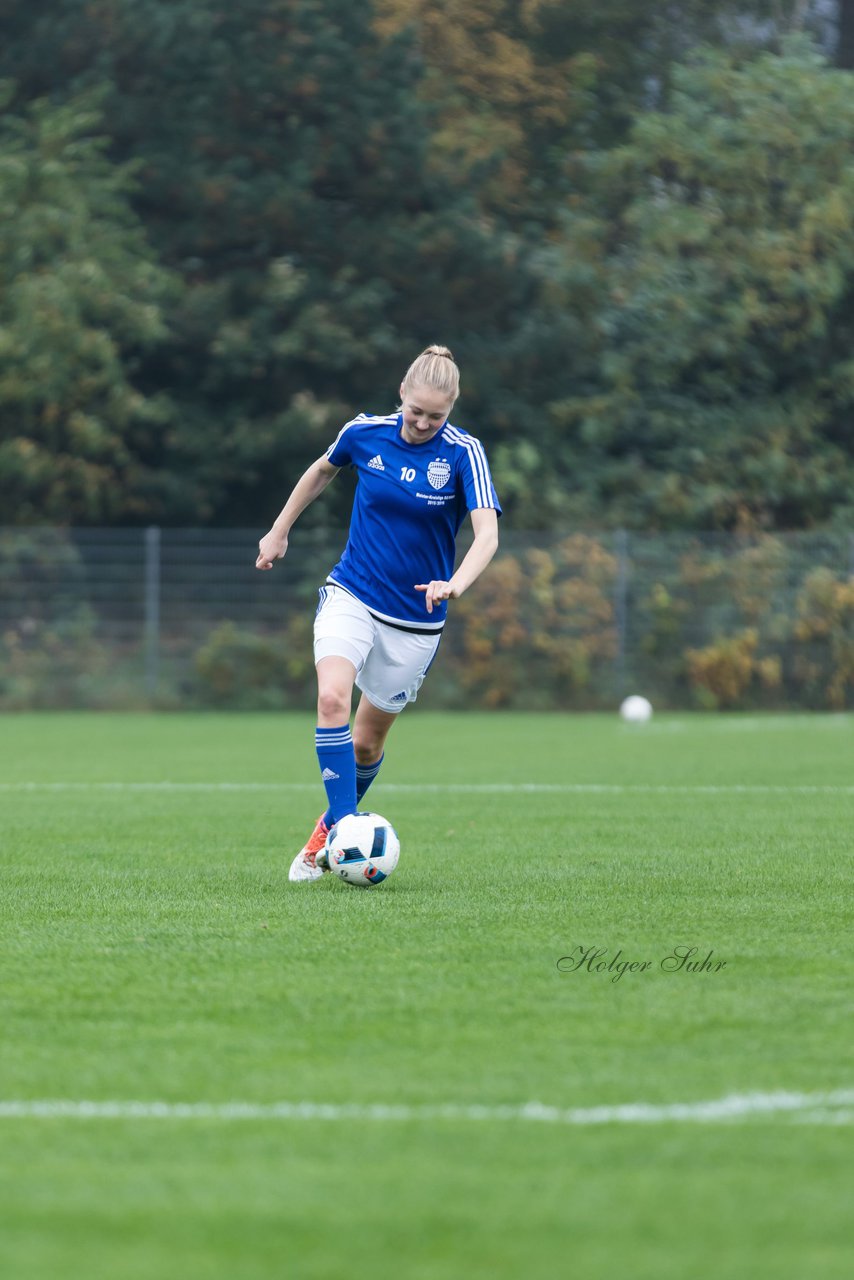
(367, 747)
(333, 704)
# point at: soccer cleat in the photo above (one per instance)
(305, 864)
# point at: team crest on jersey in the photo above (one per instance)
(439, 473)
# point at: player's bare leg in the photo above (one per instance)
(370, 729)
(335, 680)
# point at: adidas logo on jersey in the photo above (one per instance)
(377, 463)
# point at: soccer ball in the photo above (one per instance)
(362, 849)
(636, 710)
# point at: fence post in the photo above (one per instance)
(621, 604)
(152, 610)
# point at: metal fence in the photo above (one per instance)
(180, 617)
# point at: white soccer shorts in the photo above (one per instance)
(390, 664)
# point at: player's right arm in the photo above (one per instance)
(309, 486)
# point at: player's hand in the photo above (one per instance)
(271, 547)
(436, 591)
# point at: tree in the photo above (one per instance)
(517, 87)
(507, 88)
(723, 238)
(81, 305)
(335, 185)
(283, 153)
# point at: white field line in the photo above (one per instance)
(711, 722)
(823, 1108)
(465, 788)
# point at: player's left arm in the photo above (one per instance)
(484, 521)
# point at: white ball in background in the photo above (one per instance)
(636, 710)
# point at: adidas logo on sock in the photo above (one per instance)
(329, 776)
(377, 463)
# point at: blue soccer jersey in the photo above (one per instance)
(410, 502)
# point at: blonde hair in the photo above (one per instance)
(434, 368)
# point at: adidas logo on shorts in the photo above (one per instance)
(399, 697)
(377, 463)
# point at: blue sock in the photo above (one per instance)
(337, 769)
(365, 774)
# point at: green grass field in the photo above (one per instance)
(153, 952)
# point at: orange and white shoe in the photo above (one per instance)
(304, 865)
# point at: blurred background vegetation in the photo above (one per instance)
(134, 618)
(225, 228)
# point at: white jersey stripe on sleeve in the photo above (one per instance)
(360, 420)
(334, 444)
(480, 456)
(479, 465)
(480, 496)
(477, 460)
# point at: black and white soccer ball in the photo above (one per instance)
(362, 849)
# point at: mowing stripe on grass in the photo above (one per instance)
(467, 788)
(835, 1108)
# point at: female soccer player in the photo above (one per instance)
(382, 610)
